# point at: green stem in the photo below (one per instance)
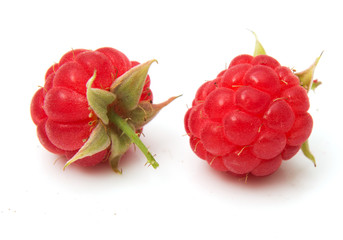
(125, 127)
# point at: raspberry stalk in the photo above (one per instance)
(126, 128)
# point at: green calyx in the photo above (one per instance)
(306, 81)
(120, 117)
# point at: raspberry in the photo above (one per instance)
(93, 106)
(251, 116)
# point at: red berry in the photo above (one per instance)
(250, 118)
(61, 110)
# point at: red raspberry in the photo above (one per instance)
(93, 106)
(250, 118)
(60, 109)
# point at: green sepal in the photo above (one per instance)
(259, 49)
(97, 142)
(129, 86)
(146, 111)
(306, 76)
(120, 144)
(305, 148)
(99, 99)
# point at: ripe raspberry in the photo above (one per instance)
(250, 117)
(93, 106)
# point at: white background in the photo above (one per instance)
(184, 198)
